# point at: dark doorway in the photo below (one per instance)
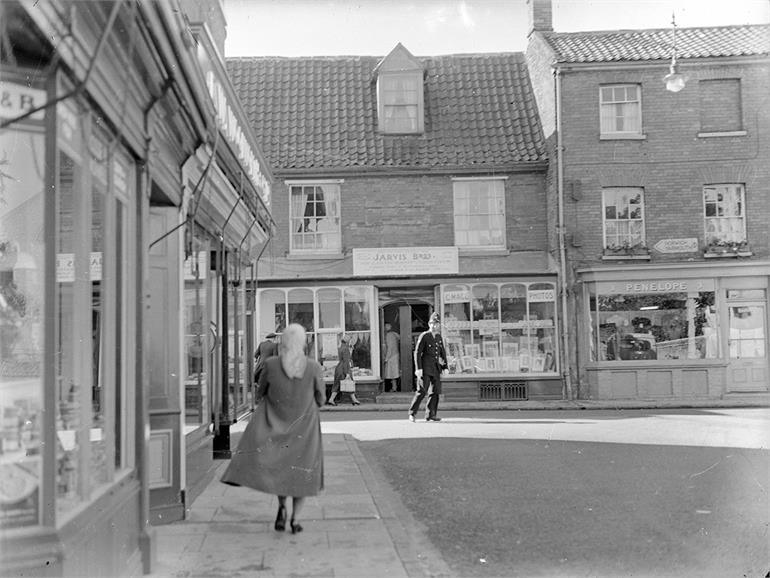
(408, 319)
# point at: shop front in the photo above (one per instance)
(500, 331)
(679, 332)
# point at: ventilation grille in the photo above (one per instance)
(516, 391)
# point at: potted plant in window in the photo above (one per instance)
(717, 247)
(627, 250)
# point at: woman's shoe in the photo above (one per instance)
(296, 528)
(331, 403)
(356, 403)
(280, 519)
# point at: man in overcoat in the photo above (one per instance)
(429, 362)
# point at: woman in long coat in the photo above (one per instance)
(341, 371)
(280, 451)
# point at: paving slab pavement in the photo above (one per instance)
(357, 526)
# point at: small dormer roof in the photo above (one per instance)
(398, 60)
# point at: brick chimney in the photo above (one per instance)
(540, 16)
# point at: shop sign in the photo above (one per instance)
(65, 267)
(461, 296)
(655, 286)
(405, 261)
(541, 296)
(232, 131)
(676, 245)
(16, 99)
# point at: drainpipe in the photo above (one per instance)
(566, 370)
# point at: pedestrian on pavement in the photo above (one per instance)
(268, 348)
(280, 450)
(392, 359)
(429, 363)
(341, 371)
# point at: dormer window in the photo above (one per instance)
(400, 104)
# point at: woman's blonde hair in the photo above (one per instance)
(292, 350)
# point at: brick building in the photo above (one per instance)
(661, 204)
(406, 185)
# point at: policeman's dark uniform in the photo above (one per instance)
(430, 357)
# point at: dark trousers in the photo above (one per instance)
(430, 386)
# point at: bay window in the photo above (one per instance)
(326, 313)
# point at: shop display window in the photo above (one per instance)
(654, 325)
(499, 328)
(95, 414)
(340, 311)
(22, 322)
(197, 344)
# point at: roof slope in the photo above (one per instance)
(656, 44)
(321, 112)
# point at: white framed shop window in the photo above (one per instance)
(653, 320)
(500, 328)
(326, 313)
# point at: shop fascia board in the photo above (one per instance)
(681, 270)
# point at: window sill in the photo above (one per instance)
(721, 134)
(622, 137)
(482, 252)
(626, 257)
(315, 255)
(727, 254)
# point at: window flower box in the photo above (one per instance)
(626, 251)
(718, 248)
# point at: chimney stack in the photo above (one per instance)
(540, 16)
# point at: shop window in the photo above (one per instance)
(623, 219)
(341, 311)
(22, 321)
(653, 325)
(724, 211)
(501, 328)
(479, 213)
(94, 277)
(315, 217)
(720, 105)
(197, 343)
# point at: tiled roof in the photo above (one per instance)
(321, 112)
(635, 45)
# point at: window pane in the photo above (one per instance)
(22, 326)
(357, 307)
(301, 308)
(196, 333)
(272, 312)
(315, 218)
(330, 308)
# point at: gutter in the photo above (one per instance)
(565, 358)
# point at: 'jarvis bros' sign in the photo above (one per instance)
(401, 261)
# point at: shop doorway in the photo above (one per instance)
(408, 319)
(747, 346)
